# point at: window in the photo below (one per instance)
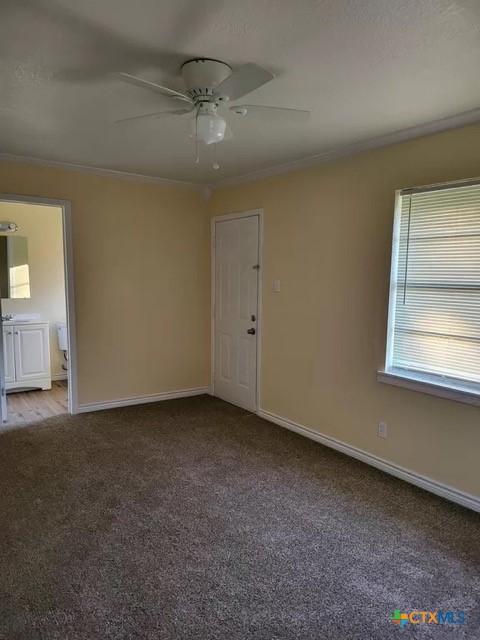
(434, 312)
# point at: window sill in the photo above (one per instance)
(424, 384)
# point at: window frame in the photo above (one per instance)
(430, 383)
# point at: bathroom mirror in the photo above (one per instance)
(14, 269)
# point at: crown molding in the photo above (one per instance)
(99, 171)
(336, 153)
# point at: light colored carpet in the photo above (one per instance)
(193, 519)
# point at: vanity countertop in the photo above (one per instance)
(10, 323)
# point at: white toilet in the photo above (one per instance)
(63, 341)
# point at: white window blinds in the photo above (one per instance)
(434, 317)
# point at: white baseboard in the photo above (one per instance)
(126, 402)
(59, 376)
(445, 491)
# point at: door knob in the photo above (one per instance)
(251, 331)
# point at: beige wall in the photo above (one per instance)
(328, 239)
(141, 266)
(43, 228)
(141, 254)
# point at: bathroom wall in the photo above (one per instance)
(43, 228)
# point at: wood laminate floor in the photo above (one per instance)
(25, 407)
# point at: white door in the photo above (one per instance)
(8, 354)
(236, 310)
(31, 352)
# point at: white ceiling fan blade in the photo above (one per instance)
(293, 115)
(156, 114)
(243, 80)
(153, 86)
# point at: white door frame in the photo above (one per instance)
(69, 285)
(224, 218)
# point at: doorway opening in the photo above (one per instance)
(37, 365)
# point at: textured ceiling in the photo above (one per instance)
(365, 68)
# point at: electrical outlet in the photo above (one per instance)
(382, 430)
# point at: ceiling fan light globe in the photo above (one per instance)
(210, 128)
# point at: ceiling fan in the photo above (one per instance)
(209, 86)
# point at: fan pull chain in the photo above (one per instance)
(215, 165)
(197, 152)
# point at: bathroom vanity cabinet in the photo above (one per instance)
(26, 348)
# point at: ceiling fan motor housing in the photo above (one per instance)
(202, 76)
